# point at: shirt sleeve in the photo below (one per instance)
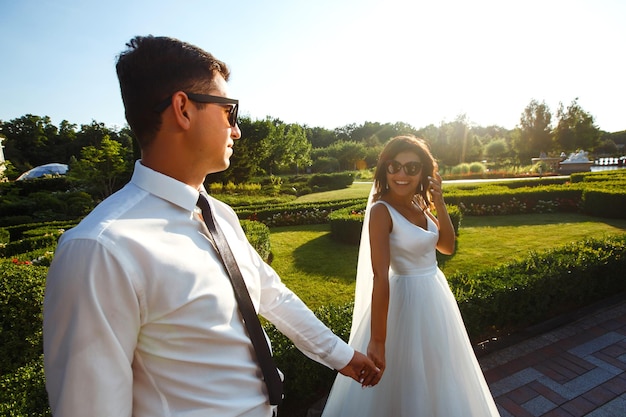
(91, 325)
(296, 321)
(285, 310)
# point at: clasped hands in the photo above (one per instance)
(363, 370)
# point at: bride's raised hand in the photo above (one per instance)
(436, 188)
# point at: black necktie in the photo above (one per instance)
(250, 318)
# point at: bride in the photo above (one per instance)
(405, 315)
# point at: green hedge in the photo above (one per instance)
(518, 294)
(30, 244)
(325, 182)
(21, 300)
(23, 393)
(346, 224)
(307, 380)
(258, 235)
(265, 212)
(605, 203)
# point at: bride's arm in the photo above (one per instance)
(446, 241)
(379, 229)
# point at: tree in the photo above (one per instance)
(27, 141)
(297, 148)
(249, 152)
(575, 129)
(535, 131)
(452, 142)
(287, 146)
(496, 149)
(347, 153)
(320, 137)
(104, 168)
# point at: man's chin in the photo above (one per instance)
(223, 168)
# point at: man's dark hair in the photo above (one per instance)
(154, 68)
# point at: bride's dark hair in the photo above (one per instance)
(395, 146)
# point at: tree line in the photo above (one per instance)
(272, 147)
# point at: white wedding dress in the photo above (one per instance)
(431, 369)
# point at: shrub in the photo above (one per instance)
(5, 236)
(258, 235)
(476, 168)
(21, 299)
(512, 296)
(605, 203)
(346, 224)
(23, 393)
(306, 380)
(463, 168)
(29, 244)
(288, 214)
(331, 181)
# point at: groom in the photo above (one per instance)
(140, 318)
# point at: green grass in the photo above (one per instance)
(486, 241)
(321, 271)
(317, 268)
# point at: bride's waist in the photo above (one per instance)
(414, 272)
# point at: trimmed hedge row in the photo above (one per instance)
(44, 206)
(346, 224)
(264, 213)
(521, 293)
(609, 203)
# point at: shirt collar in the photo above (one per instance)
(167, 188)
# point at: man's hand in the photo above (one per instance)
(362, 370)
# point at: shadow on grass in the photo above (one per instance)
(326, 257)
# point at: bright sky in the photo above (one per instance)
(330, 63)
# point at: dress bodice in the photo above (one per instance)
(412, 248)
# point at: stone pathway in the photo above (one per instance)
(578, 369)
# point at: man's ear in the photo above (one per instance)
(181, 109)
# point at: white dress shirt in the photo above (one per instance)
(140, 317)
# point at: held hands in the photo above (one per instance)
(376, 352)
(362, 370)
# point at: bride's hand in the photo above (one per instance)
(436, 188)
(376, 352)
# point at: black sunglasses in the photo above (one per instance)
(206, 98)
(411, 168)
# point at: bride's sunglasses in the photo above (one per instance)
(411, 168)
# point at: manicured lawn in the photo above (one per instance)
(321, 271)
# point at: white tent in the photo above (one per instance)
(41, 170)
